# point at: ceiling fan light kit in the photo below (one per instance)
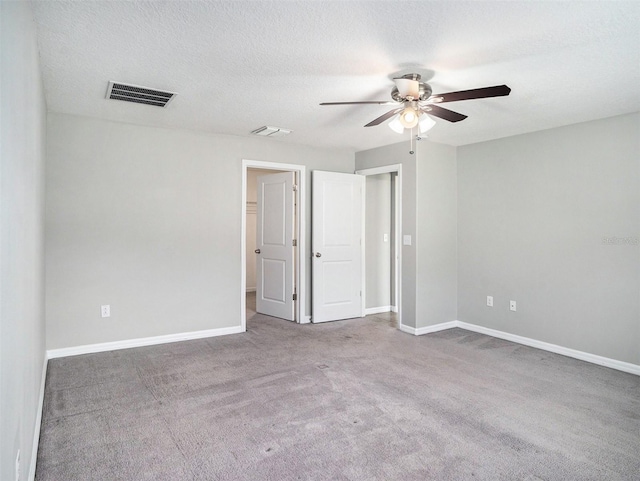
(426, 123)
(396, 125)
(419, 103)
(409, 117)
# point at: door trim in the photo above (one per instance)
(300, 260)
(397, 168)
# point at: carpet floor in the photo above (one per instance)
(348, 400)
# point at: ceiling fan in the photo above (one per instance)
(416, 100)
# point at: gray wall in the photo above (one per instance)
(148, 221)
(552, 220)
(22, 147)
(378, 251)
(399, 154)
(436, 281)
(429, 276)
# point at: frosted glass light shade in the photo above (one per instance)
(426, 123)
(395, 125)
(409, 118)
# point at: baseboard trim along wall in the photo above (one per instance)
(377, 310)
(144, 341)
(428, 329)
(526, 341)
(408, 329)
(36, 429)
(545, 346)
(438, 327)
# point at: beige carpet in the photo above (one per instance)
(350, 400)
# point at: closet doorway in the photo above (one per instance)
(272, 240)
(383, 216)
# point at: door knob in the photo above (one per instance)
(257, 251)
(318, 254)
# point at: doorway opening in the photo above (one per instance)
(251, 230)
(252, 170)
(383, 227)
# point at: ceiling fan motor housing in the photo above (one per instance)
(424, 89)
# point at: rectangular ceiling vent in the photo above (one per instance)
(138, 94)
(267, 131)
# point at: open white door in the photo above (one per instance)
(274, 246)
(337, 228)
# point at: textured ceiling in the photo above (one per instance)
(238, 65)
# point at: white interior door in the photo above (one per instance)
(337, 233)
(274, 245)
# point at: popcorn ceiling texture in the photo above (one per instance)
(240, 65)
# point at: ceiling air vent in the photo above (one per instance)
(138, 94)
(267, 131)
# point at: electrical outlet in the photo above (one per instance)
(512, 305)
(490, 301)
(18, 466)
(105, 311)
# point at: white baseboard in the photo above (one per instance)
(305, 320)
(407, 329)
(545, 346)
(251, 289)
(376, 310)
(394, 308)
(145, 341)
(436, 327)
(36, 429)
(428, 329)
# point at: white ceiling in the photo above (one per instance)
(239, 65)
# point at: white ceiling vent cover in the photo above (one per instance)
(139, 94)
(267, 131)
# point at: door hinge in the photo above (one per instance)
(295, 242)
(295, 297)
(295, 188)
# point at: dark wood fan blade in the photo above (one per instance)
(384, 117)
(483, 93)
(445, 114)
(376, 102)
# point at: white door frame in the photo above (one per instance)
(300, 258)
(397, 168)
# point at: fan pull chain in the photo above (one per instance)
(411, 149)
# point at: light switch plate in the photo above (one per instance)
(406, 240)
